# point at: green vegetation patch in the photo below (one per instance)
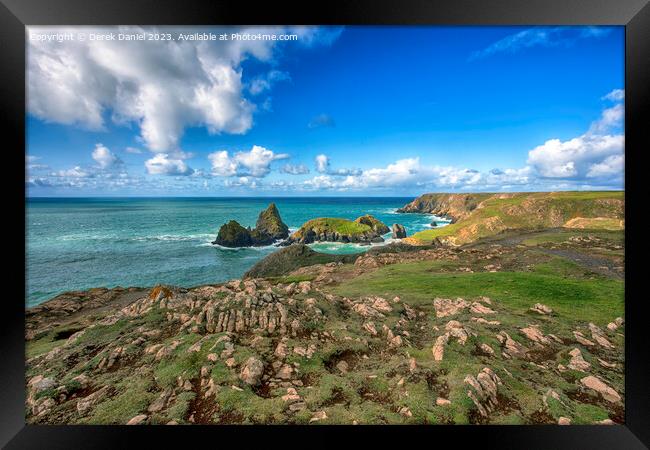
(598, 299)
(341, 226)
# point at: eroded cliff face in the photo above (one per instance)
(481, 215)
(453, 206)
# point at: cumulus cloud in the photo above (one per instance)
(598, 153)
(161, 86)
(299, 169)
(411, 173)
(323, 166)
(322, 120)
(254, 163)
(105, 158)
(610, 118)
(574, 157)
(539, 37)
(163, 164)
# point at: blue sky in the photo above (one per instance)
(385, 111)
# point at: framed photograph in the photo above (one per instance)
(365, 218)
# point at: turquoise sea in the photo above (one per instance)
(79, 243)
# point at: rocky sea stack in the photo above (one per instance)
(363, 230)
(268, 229)
(398, 231)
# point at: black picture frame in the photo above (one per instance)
(633, 14)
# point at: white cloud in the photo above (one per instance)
(323, 166)
(133, 150)
(75, 172)
(292, 169)
(596, 154)
(539, 37)
(574, 157)
(322, 163)
(104, 157)
(242, 182)
(264, 83)
(254, 163)
(162, 164)
(222, 165)
(162, 86)
(410, 173)
(616, 95)
(611, 166)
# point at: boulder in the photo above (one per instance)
(577, 361)
(448, 307)
(539, 308)
(137, 420)
(252, 371)
(601, 388)
(399, 232)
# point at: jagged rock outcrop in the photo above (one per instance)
(399, 232)
(484, 390)
(270, 224)
(269, 229)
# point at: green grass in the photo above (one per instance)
(341, 226)
(556, 284)
(41, 346)
(182, 363)
(254, 409)
(179, 409)
(558, 236)
(49, 340)
(133, 399)
(529, 211)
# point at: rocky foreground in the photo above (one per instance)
(526, 328)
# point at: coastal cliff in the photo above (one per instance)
(452, 206)
(481, 215)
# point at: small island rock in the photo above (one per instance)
(269, 228)
(399, 232)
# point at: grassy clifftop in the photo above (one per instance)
(341, 226)
(499, 212)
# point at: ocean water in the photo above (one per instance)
(106, 242)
